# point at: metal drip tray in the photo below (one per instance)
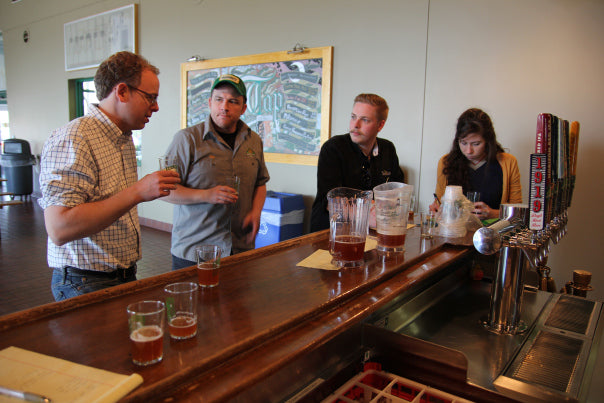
(552, 364)
(551, 361)
(572, 314)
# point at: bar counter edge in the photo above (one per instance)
(234, 370)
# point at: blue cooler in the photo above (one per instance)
(282, 218)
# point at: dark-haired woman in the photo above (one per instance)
(478, 163)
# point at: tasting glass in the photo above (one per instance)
(167, 163)
(208, 265)
(473, 196)
(181, 309)
(427, 224)
(146, 324)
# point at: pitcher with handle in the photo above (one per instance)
(392, 201)
(348, 224)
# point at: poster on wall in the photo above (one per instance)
(90, 40)
(289, 99)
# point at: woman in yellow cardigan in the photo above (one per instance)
(478, 163)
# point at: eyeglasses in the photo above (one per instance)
(151, 98)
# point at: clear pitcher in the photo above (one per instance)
(348, 224)
(392, 201)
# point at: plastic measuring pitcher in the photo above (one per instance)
(348, 224)
(392, 202)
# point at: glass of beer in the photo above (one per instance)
(392, 201)
(167, 163)
(181, 310)
(146, 324)
(412, 207)
(208, 263)
(233, 182)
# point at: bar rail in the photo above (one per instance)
(265, 313)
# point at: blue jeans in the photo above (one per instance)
(180, 263)
(65, 284)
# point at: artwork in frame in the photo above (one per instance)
(90, 40)
(289, 99)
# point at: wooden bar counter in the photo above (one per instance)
(266, 313)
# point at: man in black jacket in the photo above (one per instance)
(358, 159)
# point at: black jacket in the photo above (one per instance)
(343, 164)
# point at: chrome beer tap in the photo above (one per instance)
(516, 246)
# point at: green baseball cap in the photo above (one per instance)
(234, 81)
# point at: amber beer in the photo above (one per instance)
(207, 274)
(391, 241)
(182, 326)
(348, 248)
(167, 164)
(147, 345)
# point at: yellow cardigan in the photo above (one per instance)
(512, 190)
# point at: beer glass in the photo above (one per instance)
(473, 196)
(208, 264)
(392, 202)
(348, 224)
(146, 324)
(181, 308)
(167, 163)
(427, 224)
(232, 182)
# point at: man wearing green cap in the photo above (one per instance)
(207, 208)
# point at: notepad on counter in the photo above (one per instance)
(61, 380)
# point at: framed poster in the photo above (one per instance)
(90, 40)
(289, 99)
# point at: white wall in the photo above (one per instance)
(429, 59)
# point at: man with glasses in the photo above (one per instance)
(358, 159)
(207, 208)
(89, 182)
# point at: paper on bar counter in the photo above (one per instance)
(61, 380)
(321, 258)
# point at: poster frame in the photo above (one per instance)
(224, 65)
(109, 32)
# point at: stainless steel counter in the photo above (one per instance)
(452, 314)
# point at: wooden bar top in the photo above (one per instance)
(265, 312)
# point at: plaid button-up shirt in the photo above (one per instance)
(88, 160)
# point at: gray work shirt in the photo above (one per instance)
(204, 160)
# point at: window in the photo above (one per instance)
(83, 93)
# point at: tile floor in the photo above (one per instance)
(24, 274)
